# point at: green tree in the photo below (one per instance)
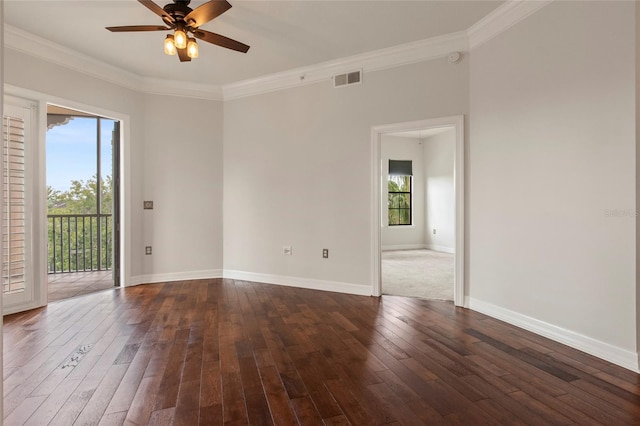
(399, 204)
(77, 228)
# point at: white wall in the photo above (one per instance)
(183, 177)
(28, 72)
(177, 163)
(297, 168)
(440, 213)
(403, 237)
(552, 154)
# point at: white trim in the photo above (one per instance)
(442, 249)
(184, 89)
(404, 54)
(174, 276)
(501, 19)
(340, 287)
(376, 187)
(28, 43)
(600, 349)
(403, 247)
(1, 182)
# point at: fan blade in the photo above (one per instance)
(182, 54)
(157, 10)
(206, 12)
(138, 28)
(220, 40)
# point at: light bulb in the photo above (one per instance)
(180, 39)
(169, 45)
(192, 48)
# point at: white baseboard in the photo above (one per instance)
(174, 276)
(440, 248)
(403, 247)
(597, 348)
(340, 287)
(313, 284)
(418, 247)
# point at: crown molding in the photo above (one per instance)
(49, 51)
(185, 89)
(404, 54)
(498, 21)
(41, 48)
(501, 19)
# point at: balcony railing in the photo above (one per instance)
(79, 242)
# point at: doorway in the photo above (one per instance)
(419, 233)
(82, 159)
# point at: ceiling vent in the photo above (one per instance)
(347, 79)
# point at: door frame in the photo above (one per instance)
(457, 122)
(125, 180)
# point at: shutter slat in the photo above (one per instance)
(13, 208)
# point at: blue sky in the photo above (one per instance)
(71, 151)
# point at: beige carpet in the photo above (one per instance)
(418, 273)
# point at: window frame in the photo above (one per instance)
(400, 209)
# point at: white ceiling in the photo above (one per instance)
(283, 35)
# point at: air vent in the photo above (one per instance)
(346, 79)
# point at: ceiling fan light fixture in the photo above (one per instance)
(180, 39)
(169, 45)
(185, 24)
(192, 48)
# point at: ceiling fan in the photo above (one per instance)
(178, 16)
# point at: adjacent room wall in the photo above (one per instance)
(440, 213)
(298, 170)
(403, 237)
(552, 175)
(183, 177)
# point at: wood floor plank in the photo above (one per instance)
(142, 403)
(51, 405)
(277, 397)
(306, 411)
(226, 352)
(97, 404)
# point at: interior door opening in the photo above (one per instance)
(417, 224)
(418, 217)
(82, 160)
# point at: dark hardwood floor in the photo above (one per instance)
(231, 352)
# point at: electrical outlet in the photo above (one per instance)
(287, 250)
(434, 231)
(325, 253)
(147, 205)
(147, 250)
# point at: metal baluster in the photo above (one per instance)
(84, 245)
(53, 227)
(91, 242)
(61, 247)
(76, 244)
